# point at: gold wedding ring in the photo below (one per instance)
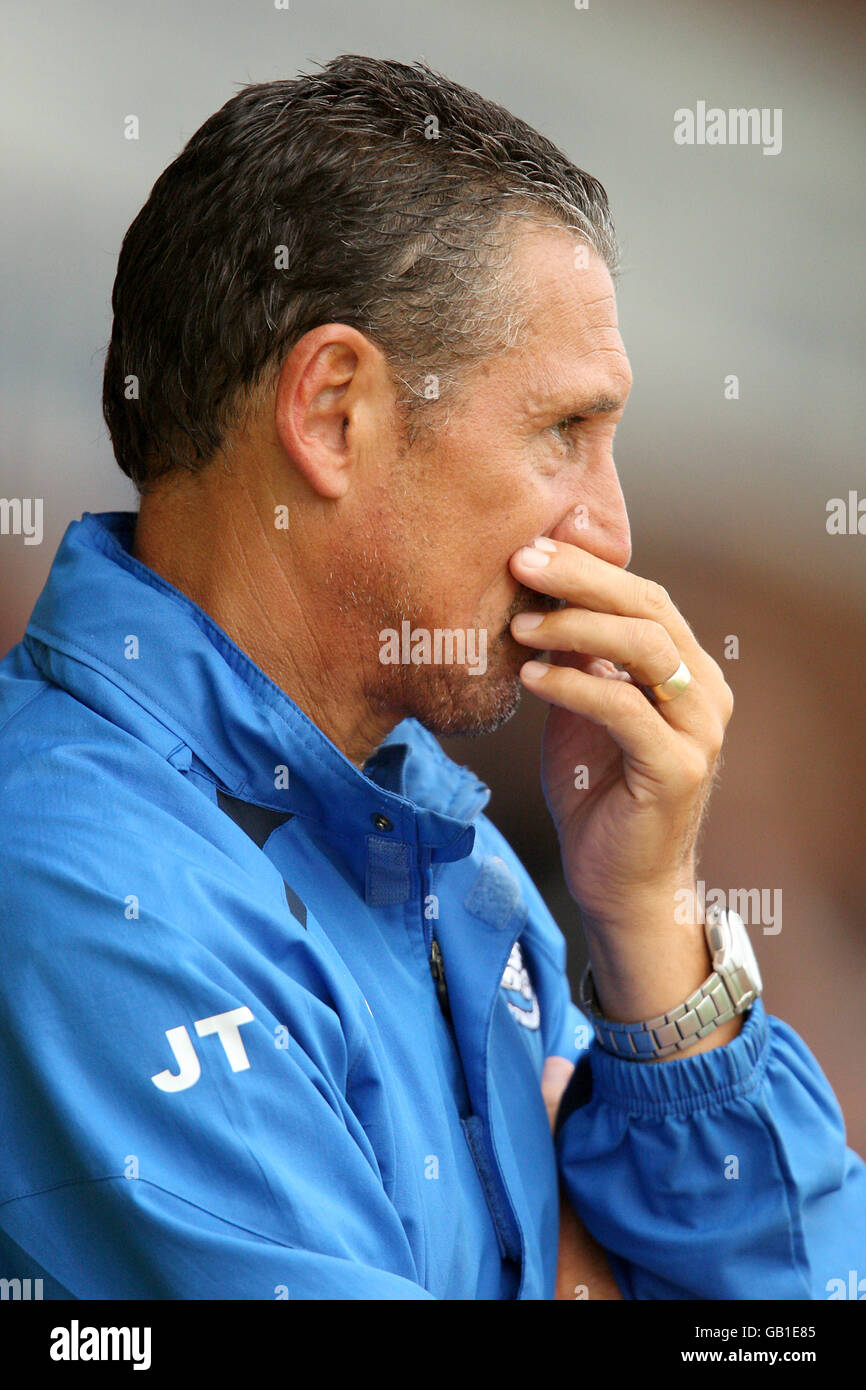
(673, 686)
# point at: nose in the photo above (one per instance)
(598, 520)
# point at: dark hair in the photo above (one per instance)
(370, 193)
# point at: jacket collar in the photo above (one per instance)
(133, 647)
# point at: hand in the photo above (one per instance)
(581, 1263)
(627, 781)
(630, 835)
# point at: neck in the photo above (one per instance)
(207, 536)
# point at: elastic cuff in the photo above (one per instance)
(685, 1084)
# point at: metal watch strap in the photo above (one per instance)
(729, 990)
(709, 1006)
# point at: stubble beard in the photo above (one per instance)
(447, 699)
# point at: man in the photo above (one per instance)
(283, 1014)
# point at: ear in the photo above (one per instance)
(330, 388)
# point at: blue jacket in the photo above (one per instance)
(226, 1068)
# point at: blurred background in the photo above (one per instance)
(736, 263)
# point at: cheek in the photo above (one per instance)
(477, 509)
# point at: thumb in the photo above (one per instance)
(554, 1079)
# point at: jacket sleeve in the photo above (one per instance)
(719, 1176)
(255, 1179)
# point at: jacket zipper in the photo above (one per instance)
(466, 1112)
(437, 970)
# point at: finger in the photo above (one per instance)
(642, 646)
(585, 581)
(661, 755)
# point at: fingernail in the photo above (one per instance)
(534, 669)
(544, 543)
(532, 558)
(525, 622)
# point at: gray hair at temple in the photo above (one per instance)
(373, 193)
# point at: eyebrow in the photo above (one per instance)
(599, 404)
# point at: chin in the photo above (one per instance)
(465, 705)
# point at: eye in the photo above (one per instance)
(564, 427)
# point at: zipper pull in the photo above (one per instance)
(437, 970)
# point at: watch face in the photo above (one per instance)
(750, 964)
(741, 956)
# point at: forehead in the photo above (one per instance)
(572, 341)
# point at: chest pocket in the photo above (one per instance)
(495, 897)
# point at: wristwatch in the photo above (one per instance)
(731, 989)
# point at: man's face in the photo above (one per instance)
(509, 466)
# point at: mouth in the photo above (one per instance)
(531, 601)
